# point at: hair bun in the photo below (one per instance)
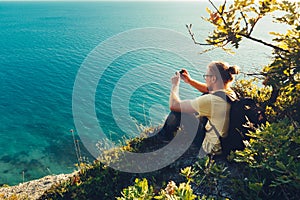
(233, 69)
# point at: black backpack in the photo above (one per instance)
(245, 115)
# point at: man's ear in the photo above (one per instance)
(214, 79)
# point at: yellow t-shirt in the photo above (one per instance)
(217, 111)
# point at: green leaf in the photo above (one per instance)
(280, 165)
(208, 10)
(255, 186)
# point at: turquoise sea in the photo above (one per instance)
(43, 45)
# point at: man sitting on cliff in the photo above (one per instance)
(218, 77)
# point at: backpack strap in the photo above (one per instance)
(228, 98)
(214, 128)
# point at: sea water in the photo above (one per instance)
(43, 45)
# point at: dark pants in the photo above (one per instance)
(173, 122)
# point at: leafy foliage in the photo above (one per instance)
(172, 191)
(273, 161)
(140, 190)
(210, 176)
(250, 88)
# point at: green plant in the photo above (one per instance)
(139, 191)
(251, 88)
(174, 192)
(142, 191)
(210, 177)
(273, 161)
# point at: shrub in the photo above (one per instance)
(272, 162)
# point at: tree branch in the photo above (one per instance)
(244, 20)
(252, 28)
(223, 7)
(221, 15)
(263, 42)
(248, 35)
(254, 74)
(189, 27)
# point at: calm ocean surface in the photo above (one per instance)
(42, 48)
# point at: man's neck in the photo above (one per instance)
(219, 87)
